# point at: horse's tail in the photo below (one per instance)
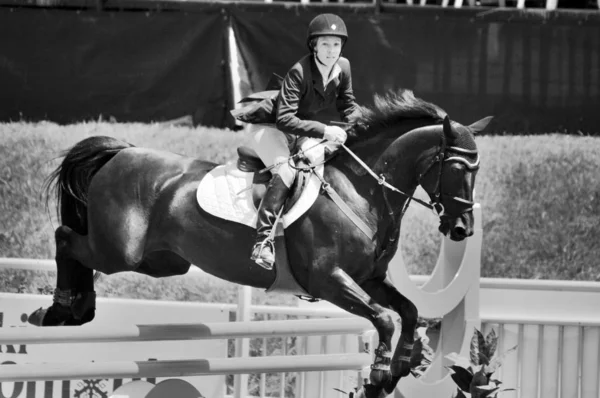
(70, 181)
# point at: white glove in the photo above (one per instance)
(335, 134)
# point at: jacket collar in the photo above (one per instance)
(318, 80)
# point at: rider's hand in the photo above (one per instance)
(335, 134)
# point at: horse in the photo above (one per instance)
(128, 208)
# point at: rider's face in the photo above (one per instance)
(328, 49)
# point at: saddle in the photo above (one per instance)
(249, 162)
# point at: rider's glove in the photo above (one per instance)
(335, 134)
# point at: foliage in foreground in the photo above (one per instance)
(473, 375)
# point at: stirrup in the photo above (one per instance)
(257, 252)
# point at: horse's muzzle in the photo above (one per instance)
(457, 228)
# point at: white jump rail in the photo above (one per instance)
(202, 331)
(201, 367)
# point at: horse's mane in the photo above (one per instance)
(390, 109)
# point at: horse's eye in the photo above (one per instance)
(456, 168)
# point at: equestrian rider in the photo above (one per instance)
(317, 86)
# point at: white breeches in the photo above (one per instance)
(271, 145)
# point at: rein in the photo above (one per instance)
(440, 158)
(381, 179)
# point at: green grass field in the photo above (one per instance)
(540, 197)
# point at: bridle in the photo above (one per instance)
(442, 156)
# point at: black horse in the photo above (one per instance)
(125, 208)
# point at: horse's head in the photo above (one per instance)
(449, 177)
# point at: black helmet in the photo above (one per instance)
(326, 25)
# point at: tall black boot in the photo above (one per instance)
(263, 252)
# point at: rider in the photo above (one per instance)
(316, 85)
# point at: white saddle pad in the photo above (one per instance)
(226, 192)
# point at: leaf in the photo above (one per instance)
(491, 343)
(477, 346)
(458, 360)
(462, 377)
(459, 394)
(488, 387)
(483, 359)
(484, 391)
(495, 393)
(479, 379)
(496, 362)
(420, 358)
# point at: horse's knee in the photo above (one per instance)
(410, 315)
(384, 323)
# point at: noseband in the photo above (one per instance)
(440, 158)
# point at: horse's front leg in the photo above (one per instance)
(74, 298)
(340, 289)
(384, 292)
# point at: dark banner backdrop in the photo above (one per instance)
(535, 71)
(137, 65)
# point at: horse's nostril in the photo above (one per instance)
(460, 231)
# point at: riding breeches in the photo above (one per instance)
(272, 146)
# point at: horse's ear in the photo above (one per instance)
(448, 130)
(480, 125)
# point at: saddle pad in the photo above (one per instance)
(226, 192)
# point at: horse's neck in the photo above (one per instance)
(373, 144)
(401, 160)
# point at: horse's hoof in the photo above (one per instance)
(369, 391)
(36, 318)
(379, 377)
(56, 315)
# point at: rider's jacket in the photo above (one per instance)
(304, 106)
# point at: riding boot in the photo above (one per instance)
(263, 252)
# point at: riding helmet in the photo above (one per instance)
(326, 25)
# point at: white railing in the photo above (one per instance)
(555, 325)
(519, 4)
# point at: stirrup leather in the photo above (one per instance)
(257, 253)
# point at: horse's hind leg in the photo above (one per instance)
(384, 292)
(74, 297)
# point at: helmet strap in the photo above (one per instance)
(318, 60)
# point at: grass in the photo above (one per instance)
(541, 207)
(540, 199)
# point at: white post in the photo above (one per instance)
(242, 346)
(452, 292)
(234, 65)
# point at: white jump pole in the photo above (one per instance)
(181, 368)
(199, 331)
